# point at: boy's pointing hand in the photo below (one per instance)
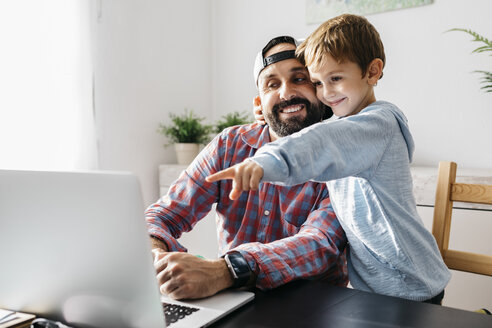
(245, 176)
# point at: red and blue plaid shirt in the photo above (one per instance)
(285, 233)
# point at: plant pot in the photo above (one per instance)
(186, 152)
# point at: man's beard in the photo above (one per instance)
(314, 114)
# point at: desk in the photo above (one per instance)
(318, 304)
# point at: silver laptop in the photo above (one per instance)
(74, 248)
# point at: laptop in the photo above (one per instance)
(74, 248)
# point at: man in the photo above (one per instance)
(268, 237)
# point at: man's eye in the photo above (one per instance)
(299, 79)
(272, 85)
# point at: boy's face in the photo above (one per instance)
(287, 96)
(342, 86)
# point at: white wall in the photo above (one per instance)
(427, 72)
(155, 57)
(152, 58)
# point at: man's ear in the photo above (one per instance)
(258, 110)
(375, 71)
(257, 101)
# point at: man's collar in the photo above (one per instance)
(257, 136)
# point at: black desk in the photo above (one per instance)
(318, 304)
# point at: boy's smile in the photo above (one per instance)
(336, 102)
(342, 86)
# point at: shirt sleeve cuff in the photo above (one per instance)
(263, 281)
(271, 170)
(171, 243)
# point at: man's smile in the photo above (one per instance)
(292, 109)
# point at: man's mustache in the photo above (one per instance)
(290, 102)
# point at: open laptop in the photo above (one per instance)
(74, 248)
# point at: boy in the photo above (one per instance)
(364, 158)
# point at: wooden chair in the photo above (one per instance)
(447, 192)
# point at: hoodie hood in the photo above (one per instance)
(403, 122)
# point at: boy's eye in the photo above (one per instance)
(317, 83)
(336, 78)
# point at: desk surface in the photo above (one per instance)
(318, 304)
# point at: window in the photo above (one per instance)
(46, 118)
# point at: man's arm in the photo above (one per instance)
(182, 275)
(177, 212)
(157, 244)
(188, 200)
(185, 276)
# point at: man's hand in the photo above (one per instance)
(186, 276)
(246, 176)
(258, 111)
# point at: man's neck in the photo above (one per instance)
(273, 135)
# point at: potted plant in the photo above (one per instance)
(231, 119)
(486, 46)
(187, 133)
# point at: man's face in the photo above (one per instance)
(287, 95)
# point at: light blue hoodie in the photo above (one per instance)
(365, 161)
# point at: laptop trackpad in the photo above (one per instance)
(210, 309)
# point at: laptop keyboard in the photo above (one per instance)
(174, 312)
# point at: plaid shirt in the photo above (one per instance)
(285, 233)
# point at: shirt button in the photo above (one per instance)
(267, 212)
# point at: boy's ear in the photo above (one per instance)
(375, 71)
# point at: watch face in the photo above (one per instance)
(239, 268)
(240, 265)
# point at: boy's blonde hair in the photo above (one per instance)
(345, 37)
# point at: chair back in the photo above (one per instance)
(447, 192)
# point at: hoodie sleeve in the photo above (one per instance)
(351, 146)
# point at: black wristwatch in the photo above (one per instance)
(239, 268)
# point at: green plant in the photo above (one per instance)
(230, 119)
(186, 128)
(486, 79)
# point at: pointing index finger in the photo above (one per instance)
(228, 173)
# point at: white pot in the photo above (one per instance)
(186, 152)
